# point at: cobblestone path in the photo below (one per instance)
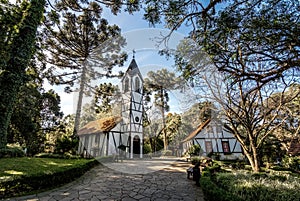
(166, 181)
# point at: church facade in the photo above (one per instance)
(119, 134)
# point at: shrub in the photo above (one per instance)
(239, 165)
(147, 149)
(194, 150)
(275, 186)
(292, 163)
(195, 160)
(66, 144)
(10, 152)
(167, 153)
(214, 193)
(43, 180)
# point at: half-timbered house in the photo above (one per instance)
(214, 140)
(110, 136)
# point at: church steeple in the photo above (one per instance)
(132, 80)
(132, 109)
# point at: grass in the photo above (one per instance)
(18, 176)
(243, 185)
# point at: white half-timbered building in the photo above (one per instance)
(214, 139)
(104, 137)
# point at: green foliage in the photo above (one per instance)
(66, 145)
(194, 150)
(238, 35)
(213, 193)
(19, 36)
(35, 111)
(37, 174)
(10, 152)
(160, 83)
(291, 162)
(275, 186)
(76, 38)
(173, 125)
(147, 149)
(239, 165)
(106, 95)
(195, 160)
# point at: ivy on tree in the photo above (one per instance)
(19, 26)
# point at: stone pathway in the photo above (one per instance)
(163, 180)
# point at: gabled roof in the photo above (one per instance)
(195, 132)
(99, 126)
(132, 69)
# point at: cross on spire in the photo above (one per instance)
(133, 54)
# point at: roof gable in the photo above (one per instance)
(198, 130)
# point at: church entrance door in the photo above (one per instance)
(136, 146)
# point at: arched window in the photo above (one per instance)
(137, 84)
(126, 85)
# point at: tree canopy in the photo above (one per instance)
(257, 40)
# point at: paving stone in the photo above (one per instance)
(103, 183)
(128, 199)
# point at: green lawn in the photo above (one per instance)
(23, 175)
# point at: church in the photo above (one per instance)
(122, 134)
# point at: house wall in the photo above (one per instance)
(215, 135)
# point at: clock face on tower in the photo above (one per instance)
(137, 119)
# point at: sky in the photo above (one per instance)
(143, 40)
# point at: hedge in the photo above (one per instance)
(24, 184)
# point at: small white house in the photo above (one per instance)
(214, 139)
(100, 137)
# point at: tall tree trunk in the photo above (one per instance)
(162, 110)
(20, 53)
(80, 99)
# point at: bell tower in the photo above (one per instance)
(132, 110)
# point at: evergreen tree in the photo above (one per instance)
(82, 47)
(159, 83)
(18, 27)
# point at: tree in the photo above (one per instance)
(242, 31)
(59, 140)
(290, 113)
(79, 42)
(18, 27)
(36, 112)
(115, 6)
(159, 83)
(249, 108)
(106, 96)
(173, 125)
